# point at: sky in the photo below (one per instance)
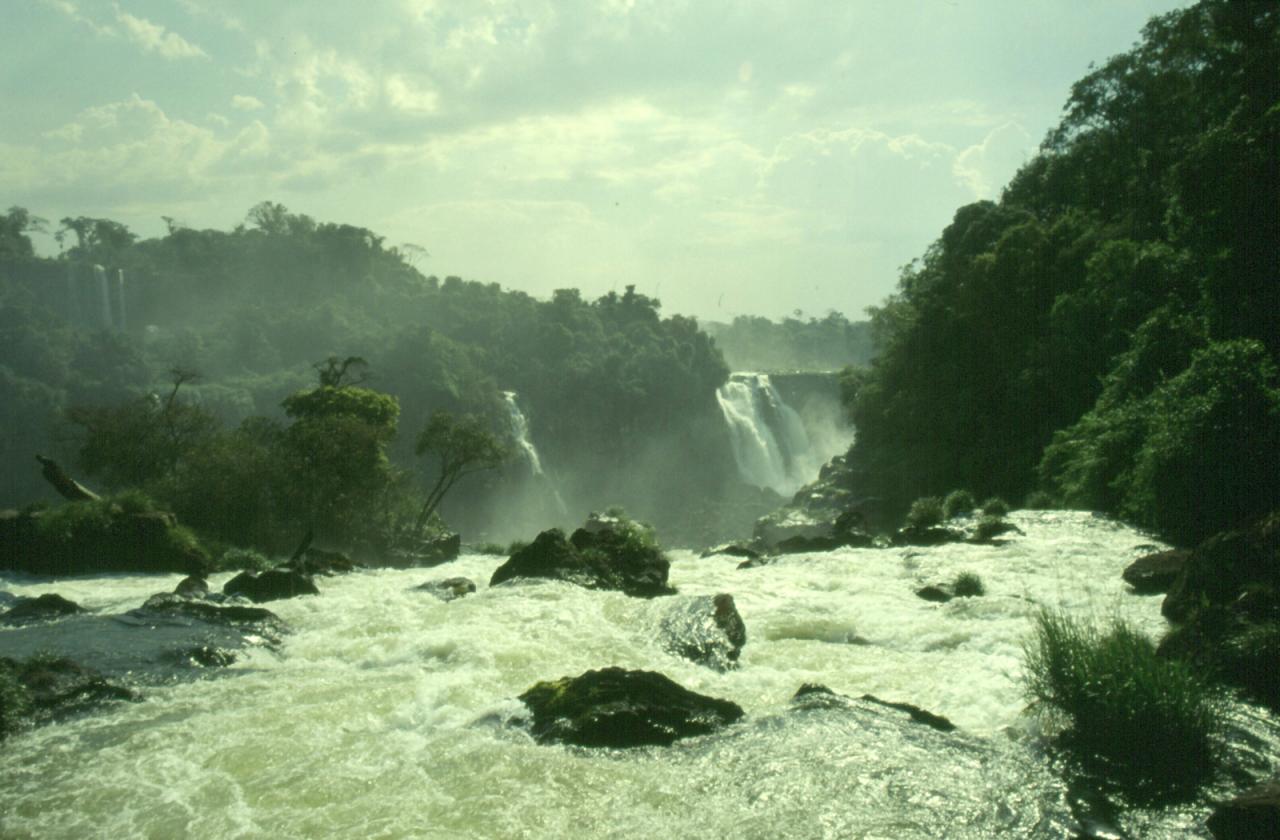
(728, 157)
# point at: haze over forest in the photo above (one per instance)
(696, 150)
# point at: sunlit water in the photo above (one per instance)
(382, 714)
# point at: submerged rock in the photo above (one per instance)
(733, 549)
(1253, 814)
(48, 688)
(449, 589)
(926, 536)
(319, 561)
(272, 585)
(47, 607)
(620, 557)
(705, 629)
(1155, 573)
(937, 592)
(817, 696)
(614, 707)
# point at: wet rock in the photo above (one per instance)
(1221, 568)
(917, 714)
(757, 562)
(926, 536)
(788, 522)
(734, 549)
(449, 589)
(614, 707)
(937, 592)
(192, 586)
(614, 558)
(49, 688)
(106, 539)
(1155, 573)
(1236, 648)
(705, 629)
(319, 561)
(817, 696)
(1253, 814)
(272, 585)
(47, 607)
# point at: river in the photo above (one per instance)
(385, 712)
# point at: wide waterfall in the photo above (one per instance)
(770, 443)
(389, 713)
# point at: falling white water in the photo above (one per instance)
(520, 432)
(769, 440)
(104, 296)
(118, 292)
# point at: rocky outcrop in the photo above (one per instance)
(618, 556)
(614, 707)
(318, 561)
(46, 688)
(733, 549)
(1155, 573)
(1225, 602)
(271, 585)
(1253, 814)
(93, 537)
(430, 550)
(47, 607)
(449, 589)
(705, 629)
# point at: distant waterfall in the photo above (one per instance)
(524, 443)
(769, 440)
(95, 298)
(117, 289)
(104, 296)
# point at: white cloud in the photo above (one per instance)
(985, 167)
(72, 12)
(246, 103)
(153, 37)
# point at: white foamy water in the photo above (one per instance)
(381, 716)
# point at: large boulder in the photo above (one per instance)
(614, 707)
(1155, 573)
(271, 585)
(1253, 814)
(92, 537)
(47, 607)
(318, 561)
(705, 629)
(620, 557)
(449, 589)
(1220, 569)
(817, 696)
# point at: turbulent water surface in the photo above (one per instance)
(386, 713)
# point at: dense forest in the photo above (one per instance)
(1108, 331)
(187, 384)
(828, 343)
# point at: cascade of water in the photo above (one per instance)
(117, 290)
(768, 437)
(104, 296)
(520, 431)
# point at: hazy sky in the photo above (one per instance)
(729, 157)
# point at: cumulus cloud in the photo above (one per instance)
(246, 103)
(153, 37)
(985, 167)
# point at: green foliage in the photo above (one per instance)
(757, 343)
(75, 520)
(237, 559)
(958, 503)
(1035, 334)
(995, 506)
(1153, 718)
(968, 585)
(926, 512)
(1038, 500)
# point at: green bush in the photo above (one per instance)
(995, 506)
(244, 559)
(516, 545)
(1153, 720)
(957, 503)
(925, 512)
(968, 585)
(990, 526)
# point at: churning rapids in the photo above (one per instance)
(385, 713)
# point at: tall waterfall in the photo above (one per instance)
(769, 439)
(103, 288)
(528, 452)
(95, 297)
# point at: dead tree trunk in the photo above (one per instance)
(66, 486)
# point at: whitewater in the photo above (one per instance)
(388, 713)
